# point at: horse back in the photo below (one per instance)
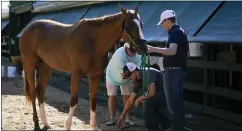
(47, 32)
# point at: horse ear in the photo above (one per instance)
(123, 10)
(136, 9)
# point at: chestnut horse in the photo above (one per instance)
(80, 49)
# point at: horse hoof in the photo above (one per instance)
(68, 125)
(37, 129)
(45, 128)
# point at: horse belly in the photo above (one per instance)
(55, 60)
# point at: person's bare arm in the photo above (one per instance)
(165, 51)
(127, 107)
(129, 104)
(175, 39)
(151, 92)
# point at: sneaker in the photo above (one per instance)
(129, 122)
(111, 122)
(187, 129)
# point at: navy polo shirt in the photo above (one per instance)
(178, 36)
(156, 76)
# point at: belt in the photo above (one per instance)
(172, 68)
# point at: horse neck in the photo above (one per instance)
(111, 34)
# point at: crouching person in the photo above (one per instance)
(155, 110)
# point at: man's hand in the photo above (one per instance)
(121, 122)
(138, 101)
(150, 49)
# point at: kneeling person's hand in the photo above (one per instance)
(121, 122)
(138, 101)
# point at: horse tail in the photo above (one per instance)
(17, 61)
(27, 90)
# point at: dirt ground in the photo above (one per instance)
(17, 116)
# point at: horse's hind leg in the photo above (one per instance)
(30, 92)
(44, 75)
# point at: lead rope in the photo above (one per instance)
(146, 74)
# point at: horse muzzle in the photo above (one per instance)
(142, 46)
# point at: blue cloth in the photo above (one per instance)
(116, 64)
(155, 77)
(156, 113)
(173, 81)
(177, 36)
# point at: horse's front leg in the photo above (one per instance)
(93, 89)
(75, 84)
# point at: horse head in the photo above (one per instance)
(132, 28)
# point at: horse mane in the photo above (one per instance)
(104, 20)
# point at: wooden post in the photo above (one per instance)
(205, 79)
(230, 72)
